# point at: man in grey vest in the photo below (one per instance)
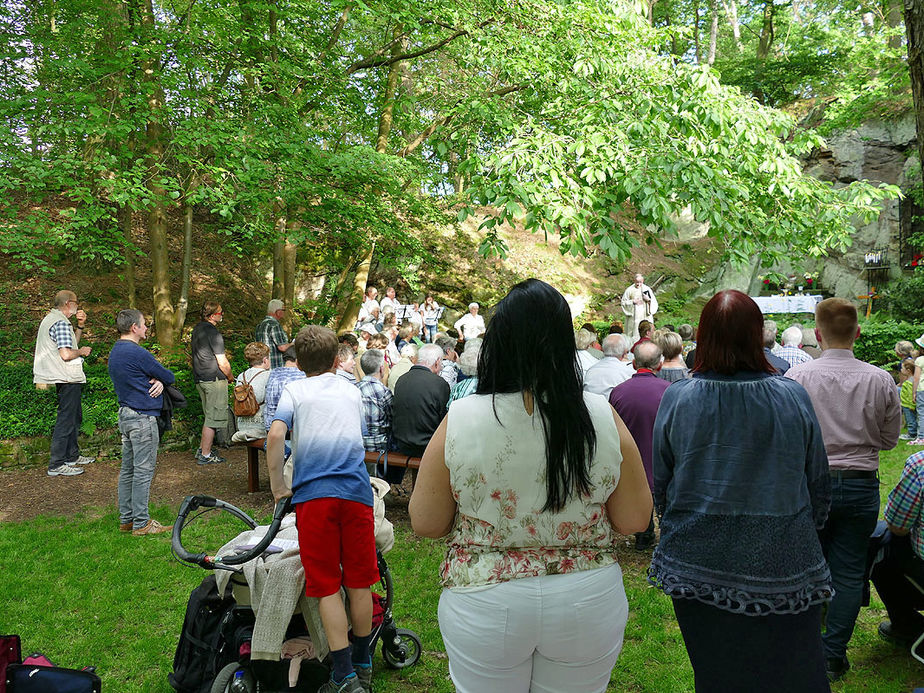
(59, 362)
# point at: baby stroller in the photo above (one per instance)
(235, 670)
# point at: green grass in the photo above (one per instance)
(84, 594)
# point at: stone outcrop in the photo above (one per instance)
(880, 152)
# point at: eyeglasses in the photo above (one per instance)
(218, 312)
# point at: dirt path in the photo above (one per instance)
(27, 493)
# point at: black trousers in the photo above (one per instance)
(777, 653)
(901, 599)
(64, 448)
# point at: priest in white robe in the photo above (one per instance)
(638, 303)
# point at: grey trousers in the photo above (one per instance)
(140, 439)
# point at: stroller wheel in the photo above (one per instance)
(403, 651)
(226, 676)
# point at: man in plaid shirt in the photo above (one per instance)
(377, 401)
(59, 362)
(904, 557)
(270, 332)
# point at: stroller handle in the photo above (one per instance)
(203, 560)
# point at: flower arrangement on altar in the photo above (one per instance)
(779, 284)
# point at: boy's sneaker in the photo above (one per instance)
(152, 527)
(349, 685)
(83, 460)
(364, 674)
(904, 436)
(212, 458)
(65, 470)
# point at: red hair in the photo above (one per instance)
(730, 336)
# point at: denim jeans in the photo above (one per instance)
(64, 448)
(911, 421)
(430, 333)
(844, 540)
(919, 402)
(140, 438)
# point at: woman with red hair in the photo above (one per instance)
(741, 485)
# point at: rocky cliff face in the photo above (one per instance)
(878, 152)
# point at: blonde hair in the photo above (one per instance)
(671, 343)
(255, 352)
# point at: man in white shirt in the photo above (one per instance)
(470, 325)
(389, 301)
(612, 369)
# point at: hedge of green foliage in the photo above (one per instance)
(877, 340)
(28, 412)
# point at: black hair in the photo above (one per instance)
(529, 347)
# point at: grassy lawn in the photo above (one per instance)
(82, 593)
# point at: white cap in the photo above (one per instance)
(920, 341)
(369, 328)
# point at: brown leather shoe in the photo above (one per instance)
(152, 527)
(125, 526)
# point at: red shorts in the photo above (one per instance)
(332, 534)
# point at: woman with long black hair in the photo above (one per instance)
(741, 485)
(530, 478)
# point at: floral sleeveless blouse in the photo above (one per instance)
(497, 477)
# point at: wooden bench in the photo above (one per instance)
(395, 459)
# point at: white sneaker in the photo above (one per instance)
(65, 470)
(904, 436)
(83, 460)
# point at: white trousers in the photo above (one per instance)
(556, 633)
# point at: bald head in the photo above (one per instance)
(647, 355)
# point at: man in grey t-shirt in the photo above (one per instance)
(212, 373)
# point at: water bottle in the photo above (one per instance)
(242, 682)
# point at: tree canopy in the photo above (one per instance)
(346, 125)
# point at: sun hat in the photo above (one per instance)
(368, 328)
(920, 341)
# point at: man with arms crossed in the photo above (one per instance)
(857, 407)
(138, 380)
(59, 362)
(212, 373)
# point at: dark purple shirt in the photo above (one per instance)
(636, 401)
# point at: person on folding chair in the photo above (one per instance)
(899, 576)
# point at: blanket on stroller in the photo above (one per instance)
(276, 582)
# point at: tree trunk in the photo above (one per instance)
(279, 215)
(351, 313)
(766, 32)
(182, 306)
(914, 30)
(289, 283)
(125, 226)
(391, 88)
(157, 215)
(279, 267)
(696, 44)
(893, 19)
(713, 30)
(731, 11)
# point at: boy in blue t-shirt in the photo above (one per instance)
(333, 501)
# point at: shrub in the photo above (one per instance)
(877, 340)
(905, 298)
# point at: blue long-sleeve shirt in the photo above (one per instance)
(131, 368)
(741, 483)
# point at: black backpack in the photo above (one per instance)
(202, 650)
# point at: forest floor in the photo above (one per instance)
(28, 493)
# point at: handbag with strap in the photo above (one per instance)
(245, 401)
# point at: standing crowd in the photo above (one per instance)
(540, 445)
